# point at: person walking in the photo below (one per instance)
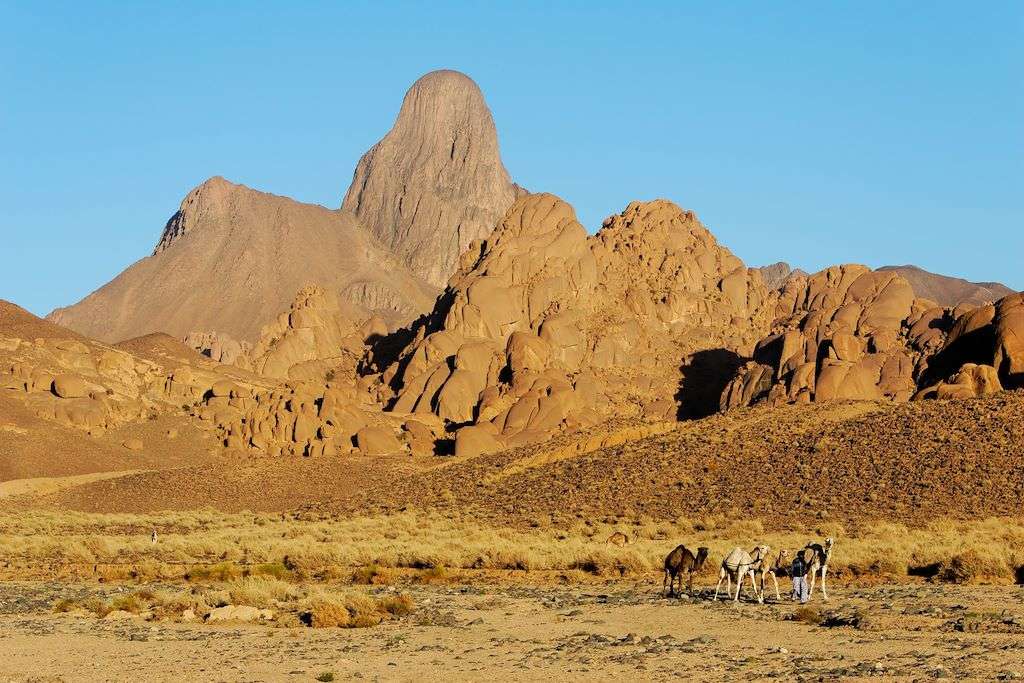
(798, 570)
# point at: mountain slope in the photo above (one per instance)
(950, 291)
(232, 258)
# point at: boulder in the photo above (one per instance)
(475, 440)
(373, 440)
(70, 386)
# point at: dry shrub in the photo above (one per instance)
(127, 603)
(260, 591)
(65, 605)
(222, 571)
(100, 608)
(606, 562)
(274, 569)
(971, 567)
(438, 574)
(327, 614)
(354, 611)
(808, 615)
(372, 575)
(397, 605)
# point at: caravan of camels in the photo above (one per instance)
(808, 564)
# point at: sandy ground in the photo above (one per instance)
(616, 632)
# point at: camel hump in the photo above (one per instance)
(737, 557)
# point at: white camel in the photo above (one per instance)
(781, 566)
(817, 563)
(737, 565)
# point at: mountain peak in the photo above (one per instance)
(435, 181)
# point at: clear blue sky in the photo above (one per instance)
(873, 132)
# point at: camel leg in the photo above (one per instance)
(776, 582)
(824, 593)
(689, 583)
(753, 586)
(721, 575)
(810, 592)
(739, 585)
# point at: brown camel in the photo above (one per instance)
(618, 538)
(680, 561)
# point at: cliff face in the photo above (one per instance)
(435, 182)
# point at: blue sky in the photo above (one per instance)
(872, 132)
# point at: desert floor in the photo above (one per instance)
(614, 631)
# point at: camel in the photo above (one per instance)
(737, 565)
(781, 566)
(817, 556)
(680, 561)
(618, 538)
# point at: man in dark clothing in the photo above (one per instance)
(798, 570)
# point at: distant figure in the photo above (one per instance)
(618, 538)
(152, 537)
(798, 570)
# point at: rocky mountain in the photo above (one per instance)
(231, 258)
(435, 182)
(776, 274)
(950, 291)
(545, 328)
(851, 333)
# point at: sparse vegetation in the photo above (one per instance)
(292, 603)
(205, 547)
(807, 614)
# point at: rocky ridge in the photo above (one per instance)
(230, 255)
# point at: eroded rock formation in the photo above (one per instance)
(544, 328)
(852, 333)
(435, 182)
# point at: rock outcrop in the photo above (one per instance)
(435, 182)
(544, 328)
(989, 336)
(77, 382)
(852, 333)
(845, 332)
(231, 257)
(317, 336)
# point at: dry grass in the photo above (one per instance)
(292, 603)
(209, 547)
